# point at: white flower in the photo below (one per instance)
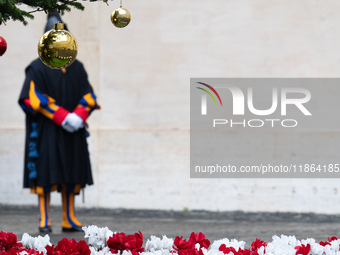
(335, 245)
(289, 240)
(317, 249)
(93, 251)
(38, 243)
(27, 241)
(155, 243)
(232, 243)
(216, 244)
(329, 251)
(160, 252)
(214, 252)
(204, 250)
(261, 250)
(280, 249)
(310, 241)
(104, 251)
(165, 252)
(125, 252)
(284, 245)
(148, 253)
(167, 243)
(97, 236)
(237, 244)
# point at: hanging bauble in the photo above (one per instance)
(57, 48)
(3, 46)
(120, 17)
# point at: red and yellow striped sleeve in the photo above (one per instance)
(86, 105)
(44, 104)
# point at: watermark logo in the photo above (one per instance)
(242, 103)
(264, 127)
(204, 97)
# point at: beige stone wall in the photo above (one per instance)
(140, 139)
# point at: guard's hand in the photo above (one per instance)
(75, 121)
(68, 128)
(72, 123)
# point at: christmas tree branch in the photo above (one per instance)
(10, 11)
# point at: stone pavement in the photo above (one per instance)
(215, 225)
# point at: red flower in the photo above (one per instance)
(8, 241)
(240, 251)
(199, 238)
(32, 252)
(332, 238)
(134, 242)
(11, 251)
(66, 246)
(49, 249)
(190, 252)
(83, 248)
(69, 247)
(324, 243)
(302, 250)
(120, 242)
(258, 243)
(245, 252)
(116, 242)
(182, 244)
(227, 250)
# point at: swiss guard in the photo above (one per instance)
(57, 103)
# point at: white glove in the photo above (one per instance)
(72, 122)
(68, 128)
(65, 124)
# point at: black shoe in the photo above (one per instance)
(73, 229)
(45, 230)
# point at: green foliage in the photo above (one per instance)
(9, 8)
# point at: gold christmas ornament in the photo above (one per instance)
(57, 48)
(120, 17)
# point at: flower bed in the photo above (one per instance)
(102, 241)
